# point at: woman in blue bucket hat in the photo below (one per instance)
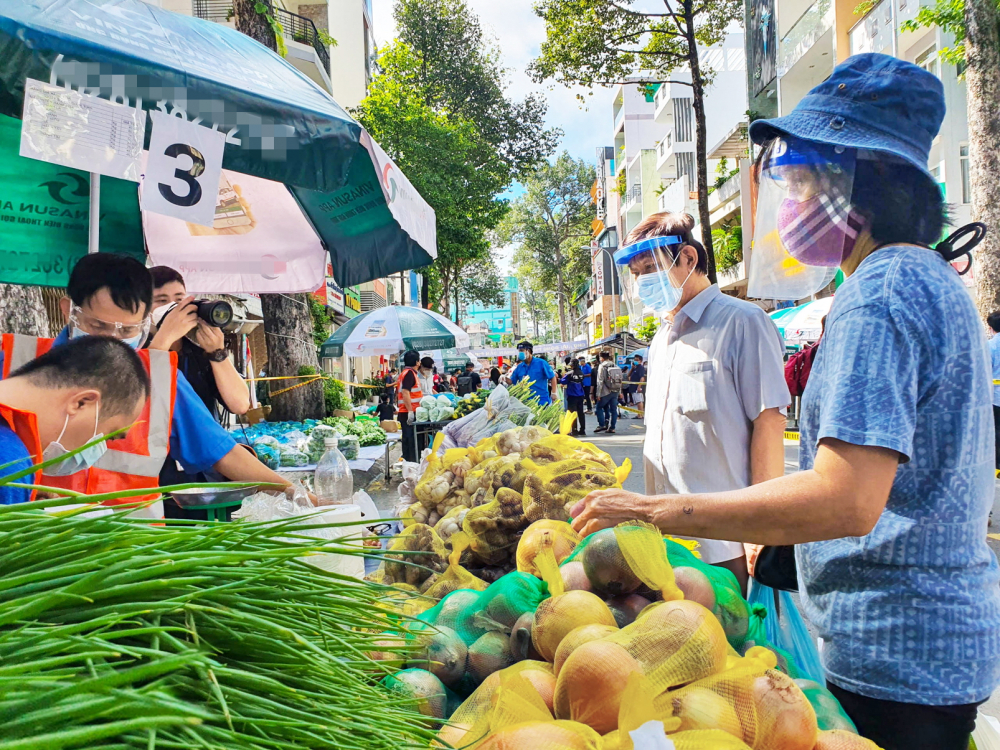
(889, 510)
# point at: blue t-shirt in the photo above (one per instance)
(910, 612)
(197, 441)
(13, 449)
(574, 385)
(538, 371)
(587, 369)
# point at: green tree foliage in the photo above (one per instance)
(605, 42)
(950, 16)
(647, 330)
(551, 222)
(536, 297)
(461, 72)
(728, 240)
(444, 157)
(321, 321)
(440, 108)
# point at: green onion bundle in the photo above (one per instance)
(118, 633)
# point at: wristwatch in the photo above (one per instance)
(219, 355)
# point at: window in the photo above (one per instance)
(963, 161)
(930, 61)
(937, 172)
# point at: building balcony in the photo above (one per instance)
(632, 200)
(619, 121)
(306, 50)
(805, 33)
(663, 99)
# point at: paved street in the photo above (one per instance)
(627, 443)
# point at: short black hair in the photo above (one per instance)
(993, 321)
(163, 275)
(411, 358)
(527, 345)
(605, 355)
(128, 281)
(637, 357)
(427, 362)
(468, 365)
(99, 362)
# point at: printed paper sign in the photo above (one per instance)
(183, 173)
(63, 126)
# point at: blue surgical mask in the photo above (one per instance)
(521, 356)
(78, 462)
(657, 291)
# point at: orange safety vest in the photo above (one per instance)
(132, 462)
(25, 426)
(415, 393)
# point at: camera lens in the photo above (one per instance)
(216, 313)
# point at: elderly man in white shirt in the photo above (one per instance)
(716, 393)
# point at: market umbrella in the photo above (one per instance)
(802, 323)
(280, 125)
(390, 330)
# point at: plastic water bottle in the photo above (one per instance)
(334, 483)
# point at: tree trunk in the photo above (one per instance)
(288, 333)
(287, 322)
(248, 21)
(701, 147)
(22, 310)
(982, 79)
(562, 304)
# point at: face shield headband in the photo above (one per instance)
(645, 274)
(806, 225)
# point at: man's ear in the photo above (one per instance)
(690, 256)
(82, 399)
(65, 303)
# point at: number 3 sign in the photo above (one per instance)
(183, 170)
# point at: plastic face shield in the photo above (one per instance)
(644, 271)
(805, 223)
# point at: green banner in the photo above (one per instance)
(44, 216)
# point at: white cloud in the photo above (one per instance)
(518, 32)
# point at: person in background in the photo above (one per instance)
(63, 400)
(625, 397)
(495, 376)
(609, 385)
(390, 384)
(201, 347)
(112, 295)
(385, 409)
(588, 383)
(594, 364)
(889, 509)
(408, 398)
(993, 320)
(573, 380)
(475, 380)
(505, 374)
(426, 374)
(638, 377)
(537, 370)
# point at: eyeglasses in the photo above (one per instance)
(97, 327)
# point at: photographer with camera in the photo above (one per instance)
(193, 329)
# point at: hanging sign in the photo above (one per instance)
(63, 126)
(183, 170)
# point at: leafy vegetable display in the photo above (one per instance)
(116, 633)
(367, 432)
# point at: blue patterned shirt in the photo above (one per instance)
(995, 354)
(910, 612)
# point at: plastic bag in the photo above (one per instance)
(830, 715)
(422, 414)
(296, 439)
(785, 628)
(268, 455)
(444, 400)
(428, 402)
(294, 458)
(266, 440)
(492, 418)
(349, 446)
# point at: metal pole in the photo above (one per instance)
(95, 213)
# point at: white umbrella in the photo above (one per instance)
(390, 330)
(802, 323)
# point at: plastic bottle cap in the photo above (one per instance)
(330, 442)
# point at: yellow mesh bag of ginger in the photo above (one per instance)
(455, 577)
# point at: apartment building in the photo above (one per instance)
(792, 45)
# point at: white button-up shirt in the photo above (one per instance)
(711, 373)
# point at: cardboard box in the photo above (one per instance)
(348, 415)
(389, 425)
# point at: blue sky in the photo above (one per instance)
(518, 33)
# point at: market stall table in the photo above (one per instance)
(424, 429)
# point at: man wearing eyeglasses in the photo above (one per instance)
(112, 295)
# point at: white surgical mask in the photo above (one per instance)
(78, 462)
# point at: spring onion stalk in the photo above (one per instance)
(115, 633)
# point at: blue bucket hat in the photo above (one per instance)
(870, 101)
